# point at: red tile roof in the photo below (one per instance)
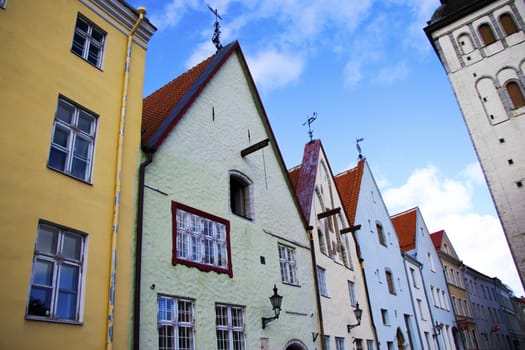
(405, 225)
(349, 185)
(437, 239)
(157, 106)
(293, 174)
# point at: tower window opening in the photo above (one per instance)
(487, 35)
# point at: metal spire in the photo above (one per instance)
(309, 121)
(216, 34)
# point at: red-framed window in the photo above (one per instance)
(200, 240)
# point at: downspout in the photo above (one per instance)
(316, 281)
(118, 166)
(138, 251)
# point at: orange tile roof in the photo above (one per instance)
(293, 174)
(160, 103)
(405, 225)
(437, 238)
(349, 185)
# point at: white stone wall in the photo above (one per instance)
(496, 128)
(192, 166)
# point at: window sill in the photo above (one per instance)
(45, 319)
(291, 284)
(83, 59)
(70, 176)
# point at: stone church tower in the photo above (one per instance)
(481, 45)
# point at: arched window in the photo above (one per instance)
(487, 35)
(465, 43)
(515, 94)
(240, 195)
(508, 24)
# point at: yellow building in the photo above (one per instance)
(66, 100)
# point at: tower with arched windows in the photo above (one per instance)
(481, 45)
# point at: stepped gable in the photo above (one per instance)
(405, 225)
(349, 185)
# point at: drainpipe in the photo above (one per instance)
(118, 166)
(317, 294)
(138, 251)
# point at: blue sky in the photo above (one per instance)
(368, 71)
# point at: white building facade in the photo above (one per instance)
(481, 45)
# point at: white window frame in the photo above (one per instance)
(321, 277)
(168, 318)
(351, 293)
(3, 4)
(90, 40)
(288, 264)
(56, 254)
(234, 327)
(369, 344)
(327, 342)
(75, 134)
(340, 343)
(241, 195)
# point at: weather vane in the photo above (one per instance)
(216, 34)
(309, 121)
(359, 147)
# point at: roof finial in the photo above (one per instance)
(309, 121)
(359, 147)
(216, 39)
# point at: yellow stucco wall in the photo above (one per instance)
(36, 66)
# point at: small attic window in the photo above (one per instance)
(241, 201)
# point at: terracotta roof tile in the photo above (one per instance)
(437, 239)
(293, 174)
(349, 185)
(160, 103)
(405, 225)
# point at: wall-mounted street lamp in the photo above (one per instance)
(276, 301)
(438, 327)
(358, 314)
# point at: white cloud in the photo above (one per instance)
(172, 13)
(390, 74)
(272, 69)
(447, 204)
(352, 73)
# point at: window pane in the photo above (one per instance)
(71, 246)
(185, 338)
(238, 341)
(61, 136)
(85, 122)
(78, 44)
(47, 239)
(166, 338)
(65, 111)
(93, 54)
(43, 273)
(82, 147)
(39, 301)
(66, 305)
(97, 35)
(82, 25)
(185, 312)
(222, 340)
(79, 167)
(221, 315)
(69, 278)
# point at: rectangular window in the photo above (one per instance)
(414, 277)
(231, 330)
(2, 4)
(339, 343)
(358, 344)
(88, 41)
(384, 316)
(72, 140)
(175, 323)
(288, 265)
(420, 308)
(380, 234)
(351, 292)
(200, 240)
(370, 345)
(327, 342)
(390, 282)
(321, 276)
(56, 279)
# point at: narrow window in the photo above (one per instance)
(358, 344)
(3, 3)
(322, 242)
(240, 195)
(487, 35)
(414, 277)
(200, 240)
(321, 276)
(327, 342)
(380, 234)
(351, 292)
(56, 279)
(515, 94)
(508, 24)
(370, 345)
(72, 140)
(390, 282)
(288, 264)
(88, 41)
(431, 262)
(175, 323)
(231, 329)
(384, 317)
(339, 343)
(420, 308)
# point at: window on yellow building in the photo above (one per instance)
(3, 3)
(88, 41)
(72, 140)
(56, 279)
